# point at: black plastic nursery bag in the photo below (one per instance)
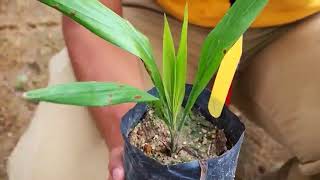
(140, 167)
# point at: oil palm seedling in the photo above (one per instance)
(171, 85)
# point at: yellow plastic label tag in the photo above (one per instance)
(224, 78)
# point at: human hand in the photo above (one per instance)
(116, 170)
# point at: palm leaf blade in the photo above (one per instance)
(181, 65)
(89, 94)
(108, 25)
(236, 21)
(169, 61)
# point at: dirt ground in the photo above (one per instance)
(30, 34)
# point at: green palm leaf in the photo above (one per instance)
(174, 68)
(235, 22)
(108, 25)
(168, 63)
(181, 66)
(89, 94)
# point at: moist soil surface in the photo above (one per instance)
(199, 139)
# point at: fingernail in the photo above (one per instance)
(117, 173)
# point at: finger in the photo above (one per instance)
(115, 162)
(118, 174)
(116, 165)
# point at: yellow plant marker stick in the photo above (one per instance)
(224, 78)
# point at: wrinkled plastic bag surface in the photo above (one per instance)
(140, 167)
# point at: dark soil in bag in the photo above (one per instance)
(199, 139)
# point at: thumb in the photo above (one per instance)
(118, 173)
(116, 165)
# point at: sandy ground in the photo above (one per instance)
(30, 34)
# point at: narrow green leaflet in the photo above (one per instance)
(181, 66)
(108, 25)
(168, 63)
(235, 22)
(174, 68)
(89, 94)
